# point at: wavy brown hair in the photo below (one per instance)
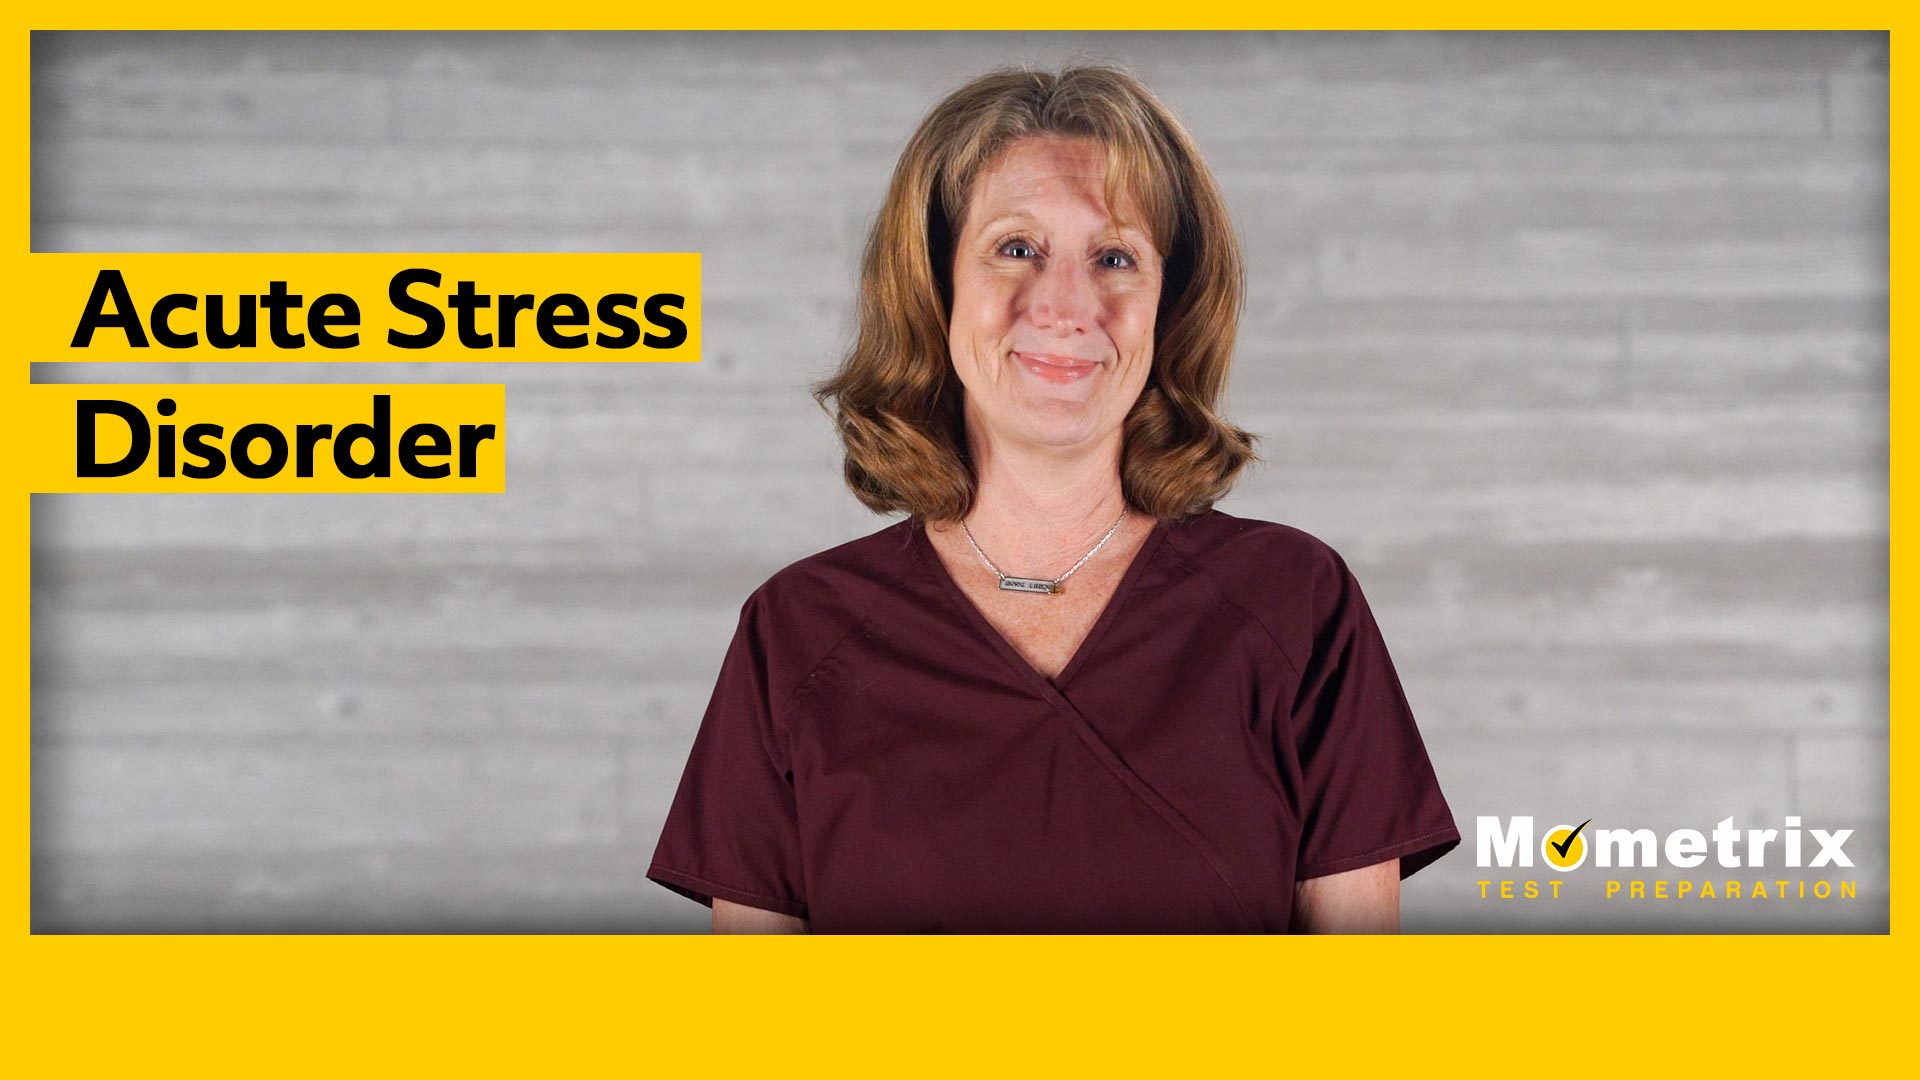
(896, 400)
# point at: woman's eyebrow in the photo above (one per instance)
(1008, 218)
(1115, 226)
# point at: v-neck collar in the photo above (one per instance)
(923, 546)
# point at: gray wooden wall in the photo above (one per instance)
(1575, 345)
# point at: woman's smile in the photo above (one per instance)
(1060, 370)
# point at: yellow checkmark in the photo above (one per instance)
(1565, 846)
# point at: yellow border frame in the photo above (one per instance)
(560, 1005)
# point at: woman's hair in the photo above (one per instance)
(895, 398)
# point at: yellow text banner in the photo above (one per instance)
(311, 306)
(153, 437)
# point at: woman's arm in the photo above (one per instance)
(732, 918)
(1363, 901)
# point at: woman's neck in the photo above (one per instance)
(1035, 507)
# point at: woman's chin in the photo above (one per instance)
(1057, 425)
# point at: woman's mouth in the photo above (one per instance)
(1057, 369)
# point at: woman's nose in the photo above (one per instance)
(1062, 297)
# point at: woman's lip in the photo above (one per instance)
(1057, 369)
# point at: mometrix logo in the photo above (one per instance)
(1564, 847)
(1510, 842)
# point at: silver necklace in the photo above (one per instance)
(1041, 586)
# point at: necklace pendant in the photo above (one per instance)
(1029, 585)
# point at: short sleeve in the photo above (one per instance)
(1368, 791)
(732, 831)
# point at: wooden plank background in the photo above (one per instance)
(1576, 345)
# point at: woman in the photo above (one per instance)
(1064, 694)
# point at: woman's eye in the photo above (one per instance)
(1019, 249)
(1116, 259)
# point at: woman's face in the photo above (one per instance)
(1053, 299)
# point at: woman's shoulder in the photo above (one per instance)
(836, 587)
(800, 614)
(1294, 584)
(1248, 552)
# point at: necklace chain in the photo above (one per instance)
(1055, 582)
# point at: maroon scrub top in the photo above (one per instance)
(877, 758)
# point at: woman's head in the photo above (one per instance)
(1052, 261)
